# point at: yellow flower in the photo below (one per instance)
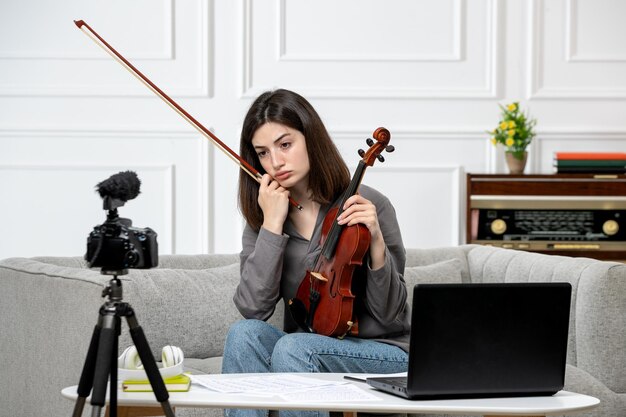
(514, 129)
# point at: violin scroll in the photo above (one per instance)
(382, 137)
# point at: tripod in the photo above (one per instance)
(101, 360)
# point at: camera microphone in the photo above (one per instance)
(116, 245)
(118, 189)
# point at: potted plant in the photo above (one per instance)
(515, 132)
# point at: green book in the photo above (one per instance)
(617, 163)
(590, 170)
(178, 383)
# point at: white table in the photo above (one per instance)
(563, 402)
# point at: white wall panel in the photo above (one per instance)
(61, 207)
(595, 31)
(584, 140)
(577, 49)
(57, 188)
(372, 48)
(418, 31)
(427, 202)
(42, 55)
(147, 37)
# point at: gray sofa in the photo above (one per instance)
(49, 306)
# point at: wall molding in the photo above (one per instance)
(425, 132)
(167, 52)
(490, 89)
(458, 48)
(587, 135)
(571, 45)
(71, 131)
(139, 132)
(205, 159)
(204, 74)
(168, 186)
(535, 83)
(456, 191)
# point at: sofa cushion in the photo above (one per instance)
(191, 309)
(439, 273)
(425, 257)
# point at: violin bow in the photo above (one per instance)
(244, 165)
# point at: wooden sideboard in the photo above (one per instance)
(565, 214)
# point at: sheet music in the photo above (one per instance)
(268, 384)
(334, 393)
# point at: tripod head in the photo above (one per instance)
(113, 290)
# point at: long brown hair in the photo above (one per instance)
(329, 173)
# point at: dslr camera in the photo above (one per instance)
(115, 245)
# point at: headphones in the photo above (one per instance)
(170, 356)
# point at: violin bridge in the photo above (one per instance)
(319, 276)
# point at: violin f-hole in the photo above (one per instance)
(332, 289)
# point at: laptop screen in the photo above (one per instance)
(488, 339)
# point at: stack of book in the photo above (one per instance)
(178, 383)
(590, 162)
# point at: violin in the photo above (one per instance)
(324, 302)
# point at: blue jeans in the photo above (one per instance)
(256, 346)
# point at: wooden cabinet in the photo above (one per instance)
(565, 214)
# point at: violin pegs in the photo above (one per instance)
(361, 153)
(380, 158)
(390, 148)
(369, 141)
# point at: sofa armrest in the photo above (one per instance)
(47, 316)
(601, 323)
(597, 340)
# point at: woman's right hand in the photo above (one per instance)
(274, 201)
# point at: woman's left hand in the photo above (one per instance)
(358, 209)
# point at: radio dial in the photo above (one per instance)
(610, 227)
(498, 226)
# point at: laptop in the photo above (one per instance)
(485, 340)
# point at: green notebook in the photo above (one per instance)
(178, 383)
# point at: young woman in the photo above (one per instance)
(284, 138)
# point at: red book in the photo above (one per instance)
(590, 155)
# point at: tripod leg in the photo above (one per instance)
(86, 377)
(113, 380)
(158, 386)
(103, 364)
